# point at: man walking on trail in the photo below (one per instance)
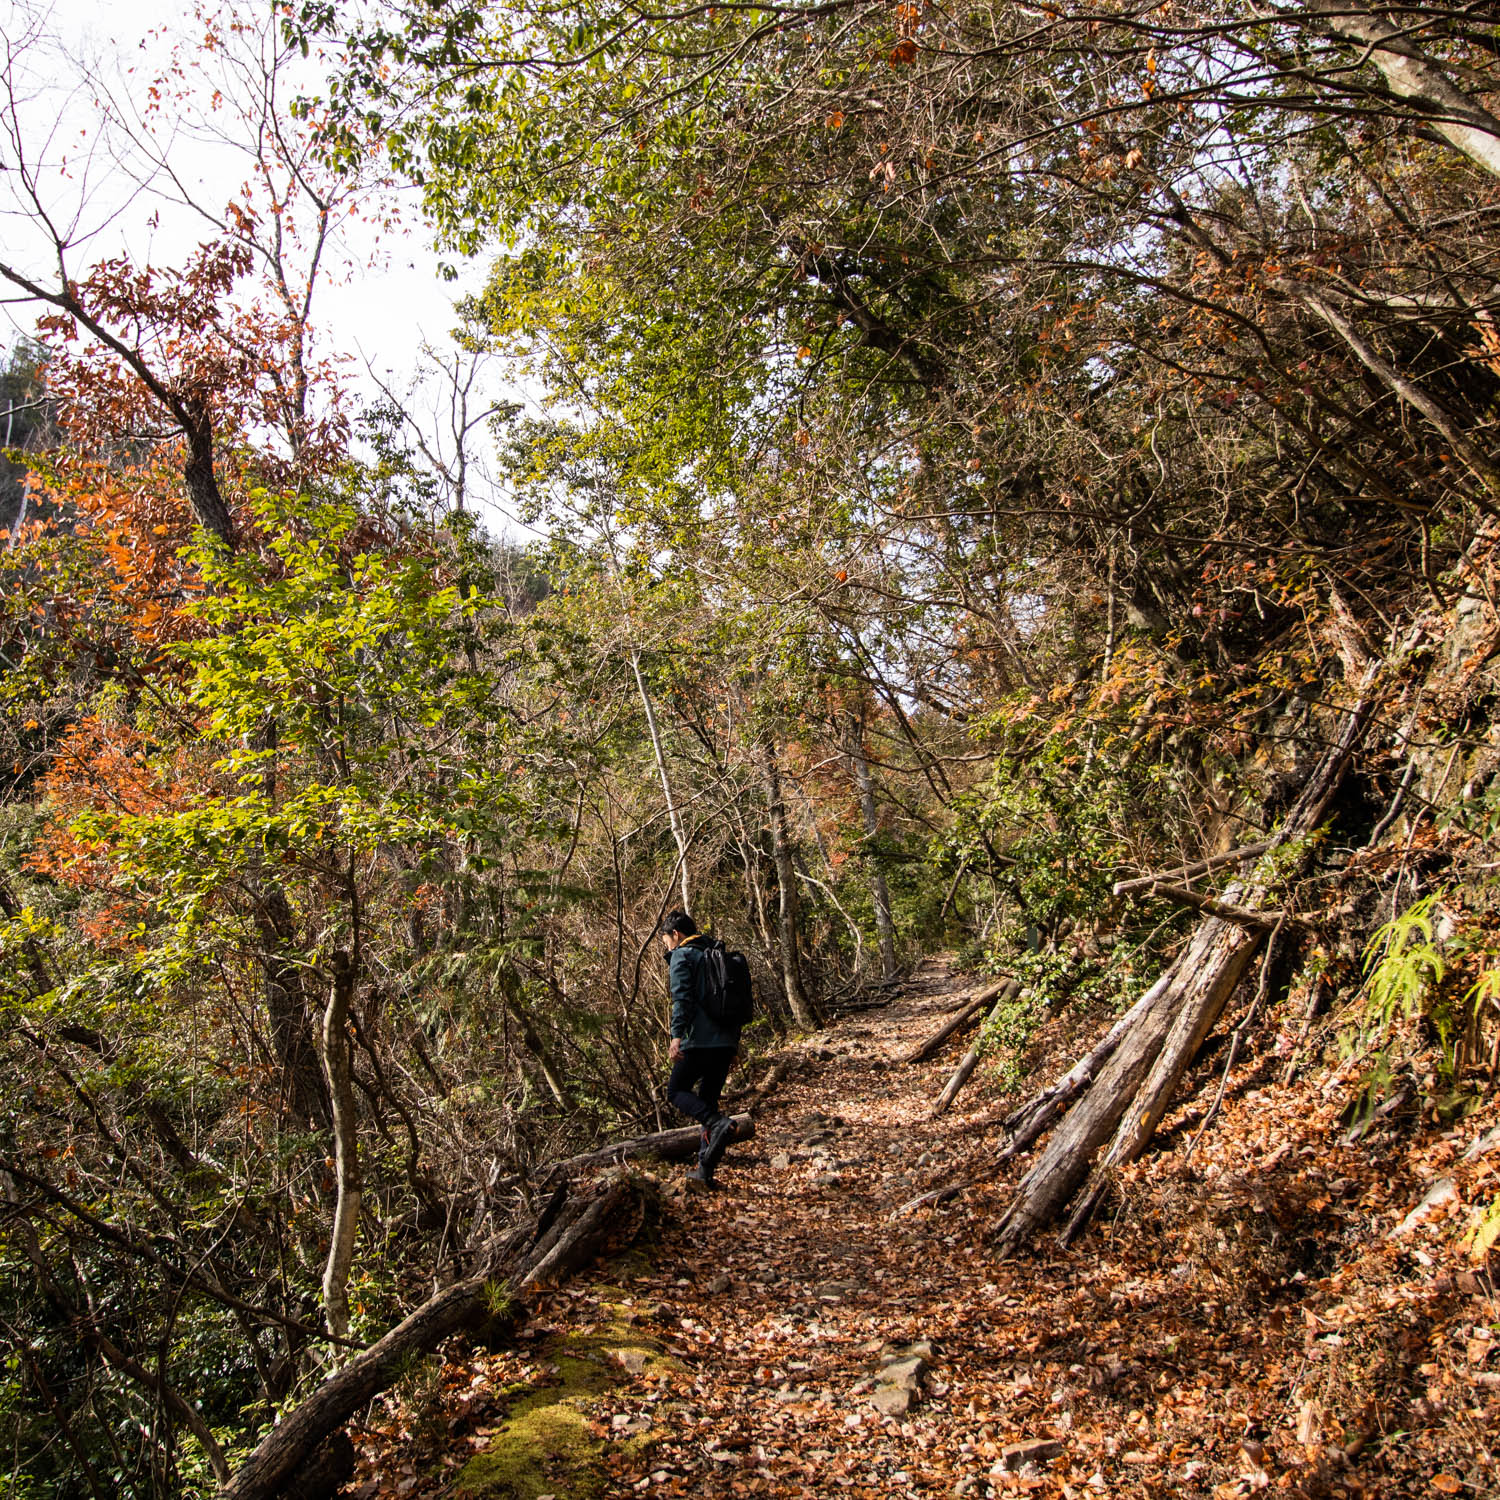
(703, 1046)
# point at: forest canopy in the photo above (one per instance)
(972, 457)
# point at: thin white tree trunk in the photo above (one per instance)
(674, 816)
(334, 1049)
(1422, 80)
(788, 908)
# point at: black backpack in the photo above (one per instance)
(728, 995)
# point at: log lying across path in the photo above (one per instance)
(671, 1145)
(294, 1457)
(966, 1017)
(1124, 1086)
(1003, 994)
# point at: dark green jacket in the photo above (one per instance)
(691, 1024)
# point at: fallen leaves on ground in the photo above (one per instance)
(1247, 1321)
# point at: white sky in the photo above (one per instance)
(382, 299)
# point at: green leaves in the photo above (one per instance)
(333, 711)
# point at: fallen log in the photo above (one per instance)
(935, 1197)
(966, 1017)
(580, 1227)
(1202, 998)
(1007, 992)
(1031, 1120)
(1192, 871)
(1212, 906)
(1132, 1090)
(1064, 1164)
(671, 1145)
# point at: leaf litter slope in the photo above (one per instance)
(1245, 1322)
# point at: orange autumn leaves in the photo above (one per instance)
(103, 766)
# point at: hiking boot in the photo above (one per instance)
(701, 1179)
(720, 1133)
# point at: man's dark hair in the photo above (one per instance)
(679, 921)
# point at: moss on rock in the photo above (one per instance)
(546, 1443)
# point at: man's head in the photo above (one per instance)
(676, 929)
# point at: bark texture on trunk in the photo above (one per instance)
(1031, 1120)
(1420, 79)
(202, 481)
(1203, 997)
(513, 1266)
(1047, 1187)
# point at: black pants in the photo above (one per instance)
(707, 1068)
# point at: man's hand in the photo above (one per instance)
(674, 1052)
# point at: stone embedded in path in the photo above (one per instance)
(904, 1372)
(898, 1381)
(1016, 1456)
(892, 1400)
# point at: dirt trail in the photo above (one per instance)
(1183, 1349)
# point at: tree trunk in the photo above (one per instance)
(303, 1086)
(1064, 1164)
(1031, 1120)
(330, 1467)
(885, 928)
(1412, 75)
(1203, 997)
(961, 1022)
(202, 482)
(674, 814)
(788, 909)
(293, 1044)
(336, 1052)
(511, 1268)
(1167, 1026)
(1007, 992)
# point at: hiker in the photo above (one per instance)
(704, 1045)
